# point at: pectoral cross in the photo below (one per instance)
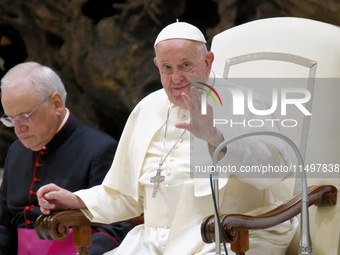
(156, 180)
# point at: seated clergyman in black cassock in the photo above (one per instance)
(52, 146)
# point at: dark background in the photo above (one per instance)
(103, 49)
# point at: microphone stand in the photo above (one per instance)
(305, 240)
(217, 216)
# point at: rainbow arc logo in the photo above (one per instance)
(204, 97)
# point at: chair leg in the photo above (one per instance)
(81, 239)
(241, 244)
(82, 251)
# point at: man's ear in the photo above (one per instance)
(209, 58)
(57, 103)
(155, 61)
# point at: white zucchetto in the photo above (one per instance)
(180, 30)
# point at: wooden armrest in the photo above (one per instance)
(236, 225)
(56, 227)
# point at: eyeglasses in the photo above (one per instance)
(23, 118)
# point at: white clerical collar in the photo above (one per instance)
(62, 123)
(65, 119)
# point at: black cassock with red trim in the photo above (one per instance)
(78, 157)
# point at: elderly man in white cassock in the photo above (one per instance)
(151, 170)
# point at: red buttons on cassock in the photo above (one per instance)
(43, 152)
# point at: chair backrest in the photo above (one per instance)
(293, 48)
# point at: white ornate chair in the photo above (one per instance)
(288, 47)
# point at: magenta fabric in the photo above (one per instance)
(30, 244)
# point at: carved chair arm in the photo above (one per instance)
(56, 227)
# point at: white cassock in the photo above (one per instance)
(173, 218)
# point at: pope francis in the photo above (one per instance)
(151, 172)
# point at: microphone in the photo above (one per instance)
(305, 247)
